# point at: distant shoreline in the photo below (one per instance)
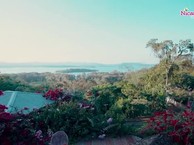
(72, 68)
(76, 71)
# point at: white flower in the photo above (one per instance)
(102, 136)
(87, 106)
(109, 120)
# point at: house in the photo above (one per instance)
(26, 101)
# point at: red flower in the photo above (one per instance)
(173, 133)
(5, 116)
(180, 124)
(53, 94)
(1, 93)
(2, 108)
(159, 113)
(173, 122)
(152, 119)
(186, 113)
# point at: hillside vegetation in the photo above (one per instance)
(103, 104)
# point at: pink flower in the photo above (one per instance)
(188, 104)
(38, 134)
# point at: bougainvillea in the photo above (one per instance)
(57, 94)
(178, 125)
(12, 125)
(30, 129)
(1, 93)
(53, 94)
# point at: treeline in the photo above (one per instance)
(44, 81)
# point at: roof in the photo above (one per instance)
(16, 101)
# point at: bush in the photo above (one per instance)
(180, 126)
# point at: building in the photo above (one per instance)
(26, 101)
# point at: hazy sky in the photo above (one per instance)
(103, 31)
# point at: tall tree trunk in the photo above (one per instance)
(166, 83)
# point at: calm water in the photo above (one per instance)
(53, 68)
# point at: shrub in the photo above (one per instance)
(180, 126)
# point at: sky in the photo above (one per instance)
(100, 31)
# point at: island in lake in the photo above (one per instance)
(76, 70)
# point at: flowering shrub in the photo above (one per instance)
(180, 126)
(57, 94)
(12, 125)
(101, 114)
(4, 116)
(2, 108)
(53, 94)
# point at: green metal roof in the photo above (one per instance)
(16, 101)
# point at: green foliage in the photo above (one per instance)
(68, 117)
(185, 81)
(6, 83)
(79, 122)
(107, 96)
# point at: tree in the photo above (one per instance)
(171, 53)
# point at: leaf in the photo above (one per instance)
(90, 120)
